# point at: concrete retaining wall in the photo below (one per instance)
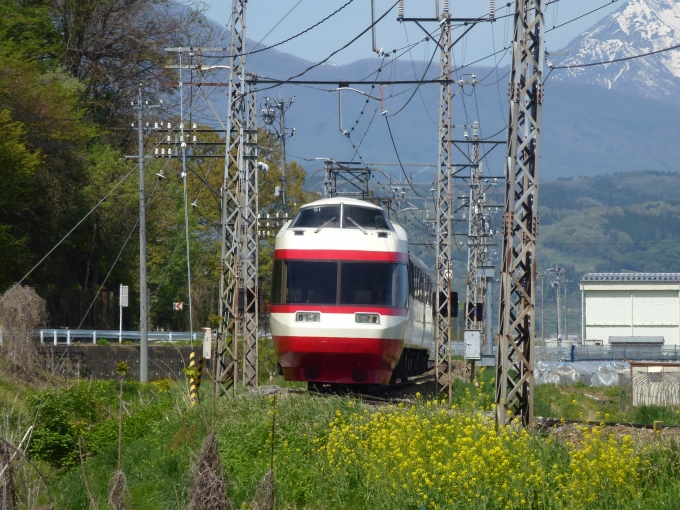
(99, 361)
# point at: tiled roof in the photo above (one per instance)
(631, 277)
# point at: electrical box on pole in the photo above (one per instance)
(516, 329)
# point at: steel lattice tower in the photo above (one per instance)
(474, 290)
(238, 263)
(515, 372)
(443, 263)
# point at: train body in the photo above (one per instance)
(349, 305)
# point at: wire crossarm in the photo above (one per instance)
(515, 369)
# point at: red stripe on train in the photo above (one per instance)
(303, 307)
(384, 348)
(372, 256)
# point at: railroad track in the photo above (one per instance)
(383, 394)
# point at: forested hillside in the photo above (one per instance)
(618, 222)
(69, 71)
(609, 223)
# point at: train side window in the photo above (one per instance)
(276, 282)
(402, 286)
(310, 282)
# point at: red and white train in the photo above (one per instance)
(349, 305)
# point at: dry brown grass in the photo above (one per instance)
(208, 489)
(265, 494)
(119, 496)
(21, 311)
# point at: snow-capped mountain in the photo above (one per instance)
(638, 27)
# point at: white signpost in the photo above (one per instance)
(122, 302)
(207, 343)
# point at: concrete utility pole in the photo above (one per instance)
(270, 111)
(143, 287)
(542, 275)
(566, 311)
(516, 330)
(556, 286)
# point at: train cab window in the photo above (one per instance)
(365, 217)
(309, 282)
(326, 216)
(372, 283)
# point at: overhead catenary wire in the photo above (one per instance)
(252, 52)
(343, 47)
(389, 129)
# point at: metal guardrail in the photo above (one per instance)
(92, 335)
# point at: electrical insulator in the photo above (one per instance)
(475, 130)
(181, 126)
(400, 13)
(156, 151)
(194, 140)
(492, 9)
(163, 152)
(193, 126)
(168, 138)
(446, 6)
(169, 126)
(155, 125)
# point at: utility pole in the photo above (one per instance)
(566, 311)
(142, 107)
(474, 292)
(444, 200)
(542, 275)
(444, 204)
(238, 299)
(269, 114)
(516, 331)
(556, 286)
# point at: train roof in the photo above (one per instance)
(343, 200)
(417, 262)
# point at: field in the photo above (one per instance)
(337, 452)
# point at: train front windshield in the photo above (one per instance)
(341, 283)
(341, 216)
(324, 216)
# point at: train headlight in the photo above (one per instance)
(367, 318)
(307, 317)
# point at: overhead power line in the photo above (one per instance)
(399, 159)
(622, 59)
(345, 46)
(121, 181)
(296, 35)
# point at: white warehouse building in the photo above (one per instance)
(630, 308)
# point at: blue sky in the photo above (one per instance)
(263, 15)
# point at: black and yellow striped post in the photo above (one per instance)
(193, 384)
(200, 372)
